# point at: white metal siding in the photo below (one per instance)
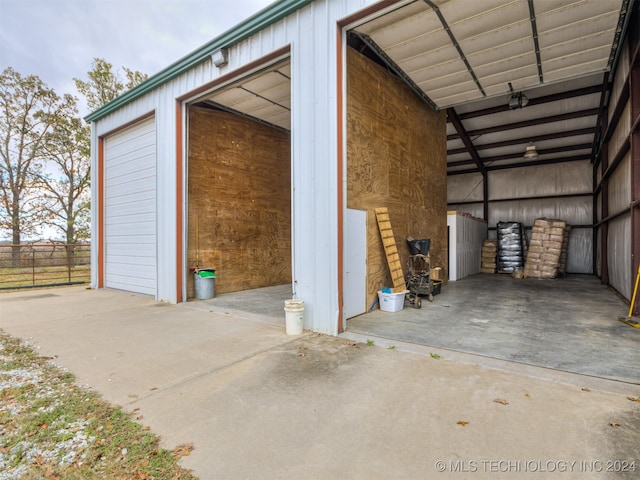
(311, 34)
(130, 209)
(465, 246)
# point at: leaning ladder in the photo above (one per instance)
(390, 249)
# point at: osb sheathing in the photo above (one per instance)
(239, 192)
(396, 158)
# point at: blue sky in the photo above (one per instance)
(57, 39)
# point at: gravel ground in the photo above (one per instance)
(15, 460)
(52, 428)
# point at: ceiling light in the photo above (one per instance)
(220, 57)
(517, 99)
(531, 152)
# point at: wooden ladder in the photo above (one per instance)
(390, 249)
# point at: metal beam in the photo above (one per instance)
(531, 163)
(487, 161)
(526, 140)
(374, 47)
(529, 123)
(634, 100)
(536, 44)
(534, 101)
(455, 43)
(471, 149)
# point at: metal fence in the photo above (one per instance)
(44, 265)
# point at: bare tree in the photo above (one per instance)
(27, 108)
(66, 181)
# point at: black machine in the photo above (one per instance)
(418, 280)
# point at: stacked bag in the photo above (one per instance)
(562, 267)
(547, 255)
(511, 253)
(489, 251)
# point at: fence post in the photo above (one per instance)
(69, 247)
(33, 267)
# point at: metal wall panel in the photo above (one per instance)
(573, 210)
(619, 254)
(620, 187)
(544, 180)
(621, 132)
(620, 78)
(311, 34)
(580, 251)
(464, 188)
(465, 245)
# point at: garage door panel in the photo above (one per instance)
(145, 241)
(141, 212)
(141, 207)
(122, 250)
(131, 229)
(132, 140)
(136, 181)
(122, 265)
(121, 156)
(131, 284)
(130, 209)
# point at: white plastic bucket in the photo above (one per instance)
(294, 316)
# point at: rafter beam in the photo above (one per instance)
(526, 140)
(529, 123)
(534, 101)
(455, 121)
(395, 68)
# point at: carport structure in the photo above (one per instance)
(263, 153)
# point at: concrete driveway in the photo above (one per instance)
(258, 404)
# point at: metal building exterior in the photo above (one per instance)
(140, 140)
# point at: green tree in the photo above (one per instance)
(27, 109)
(104, 84)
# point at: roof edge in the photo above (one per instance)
(245, 29)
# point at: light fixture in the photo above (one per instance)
(220, 57)
(530, 153)
(517, 99)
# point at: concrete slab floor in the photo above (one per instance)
(569, 324)
(259, 404)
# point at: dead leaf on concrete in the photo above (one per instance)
(183, 450)
(301, 354)
(462, 423)
(634, 399)
(614, 424)
(585, 389)
(501, 400)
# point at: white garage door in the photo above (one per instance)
(130, 209)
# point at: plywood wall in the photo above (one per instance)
(396, 158)
(240, 200)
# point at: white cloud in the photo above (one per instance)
(57, 39)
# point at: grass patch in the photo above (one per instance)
(27, 276)
(51, 428)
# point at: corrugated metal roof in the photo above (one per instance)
(459, 51)
(469, 56)
(265, 96)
